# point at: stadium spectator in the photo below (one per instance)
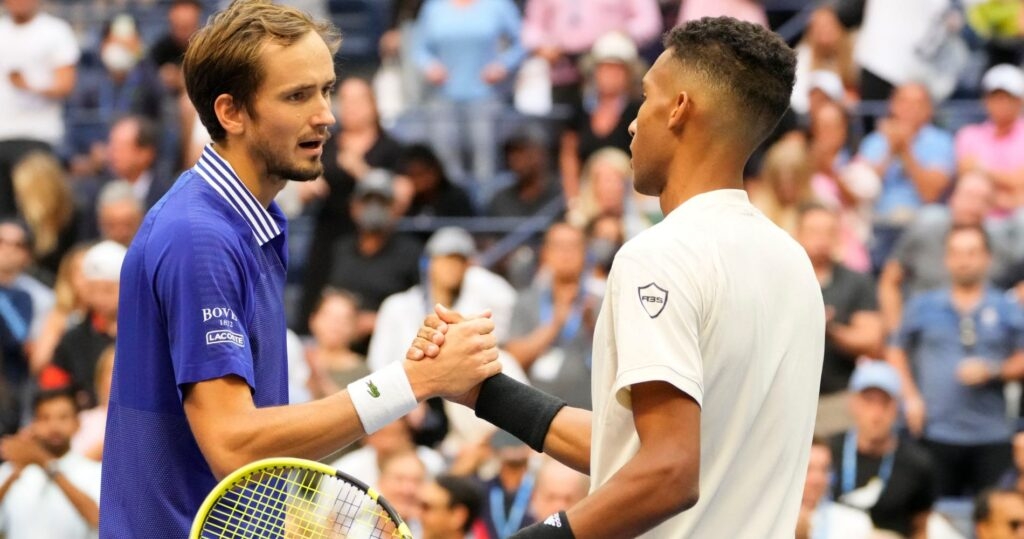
(875, 470)
(562, 32)
(37, 72)
(88, 440)
(126, 85)
(449, 507)
(845, 185)
(16, 307)
(433, 194)
(333, 363)
(46, 489)
(505, 507)
(558, 488)
(993, 147)
(402, 475)
(132, 148)
(853, 325)
(359, 145)
(373, 261)
(999, 514)
(609, 103)
(47, 205)
(820, 516)
(606, 189)
(916, 263)
(956, 347)
(466, 49)
(81, 346)
(900, 42)
(785, 182)
(393, 439)
(16, 271)
(553, 320)
(744, 10)
(826, 47)
(69, 291)
(915, 160)
(119, 212)
(533, 186)
(449, 278)
(184, 17)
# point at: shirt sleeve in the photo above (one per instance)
(201, 281)
(512, 25)
(657, 315)
(866, 298)
(65, 51)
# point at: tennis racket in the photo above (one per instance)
(290, 498)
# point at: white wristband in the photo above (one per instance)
(382, 397)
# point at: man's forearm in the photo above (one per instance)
(930, 183)
(568, 438)
(310, 430)
(642, 494)
(86, 506)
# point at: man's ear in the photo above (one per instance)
(680, 112)
(230, 114)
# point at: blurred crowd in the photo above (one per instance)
(481, 160)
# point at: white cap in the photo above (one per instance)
(451, 240)
(1006, 77)
(829, 83)
(102, 262)
(614, 47)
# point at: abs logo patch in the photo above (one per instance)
(653, 299)
(223, 336)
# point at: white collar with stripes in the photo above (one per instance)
(222, 178)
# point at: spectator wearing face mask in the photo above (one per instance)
(374, 261)
(127, 84)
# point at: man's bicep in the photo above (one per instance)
(668, 420)
(213, 406)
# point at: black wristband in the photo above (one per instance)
(523, 411)
(555, 526)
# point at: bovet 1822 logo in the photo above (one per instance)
(653, 299)
(223, 336)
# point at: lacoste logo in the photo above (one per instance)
(653, 299)
(372, 389)
(223, 336)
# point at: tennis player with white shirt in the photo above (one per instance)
(708, 347)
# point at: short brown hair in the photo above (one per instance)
(224, 56)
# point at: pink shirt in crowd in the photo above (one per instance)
(574, 25)
(744, 10)
(1001, 154)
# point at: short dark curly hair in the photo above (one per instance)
(750, 64)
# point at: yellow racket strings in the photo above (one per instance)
(286, 502)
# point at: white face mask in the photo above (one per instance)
(117, 57)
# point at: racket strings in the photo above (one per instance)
(287, 502)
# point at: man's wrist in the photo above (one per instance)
(555, 526)
(382, 397)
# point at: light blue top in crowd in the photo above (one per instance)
(932, 147)
(931, 336)
(465, 39)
